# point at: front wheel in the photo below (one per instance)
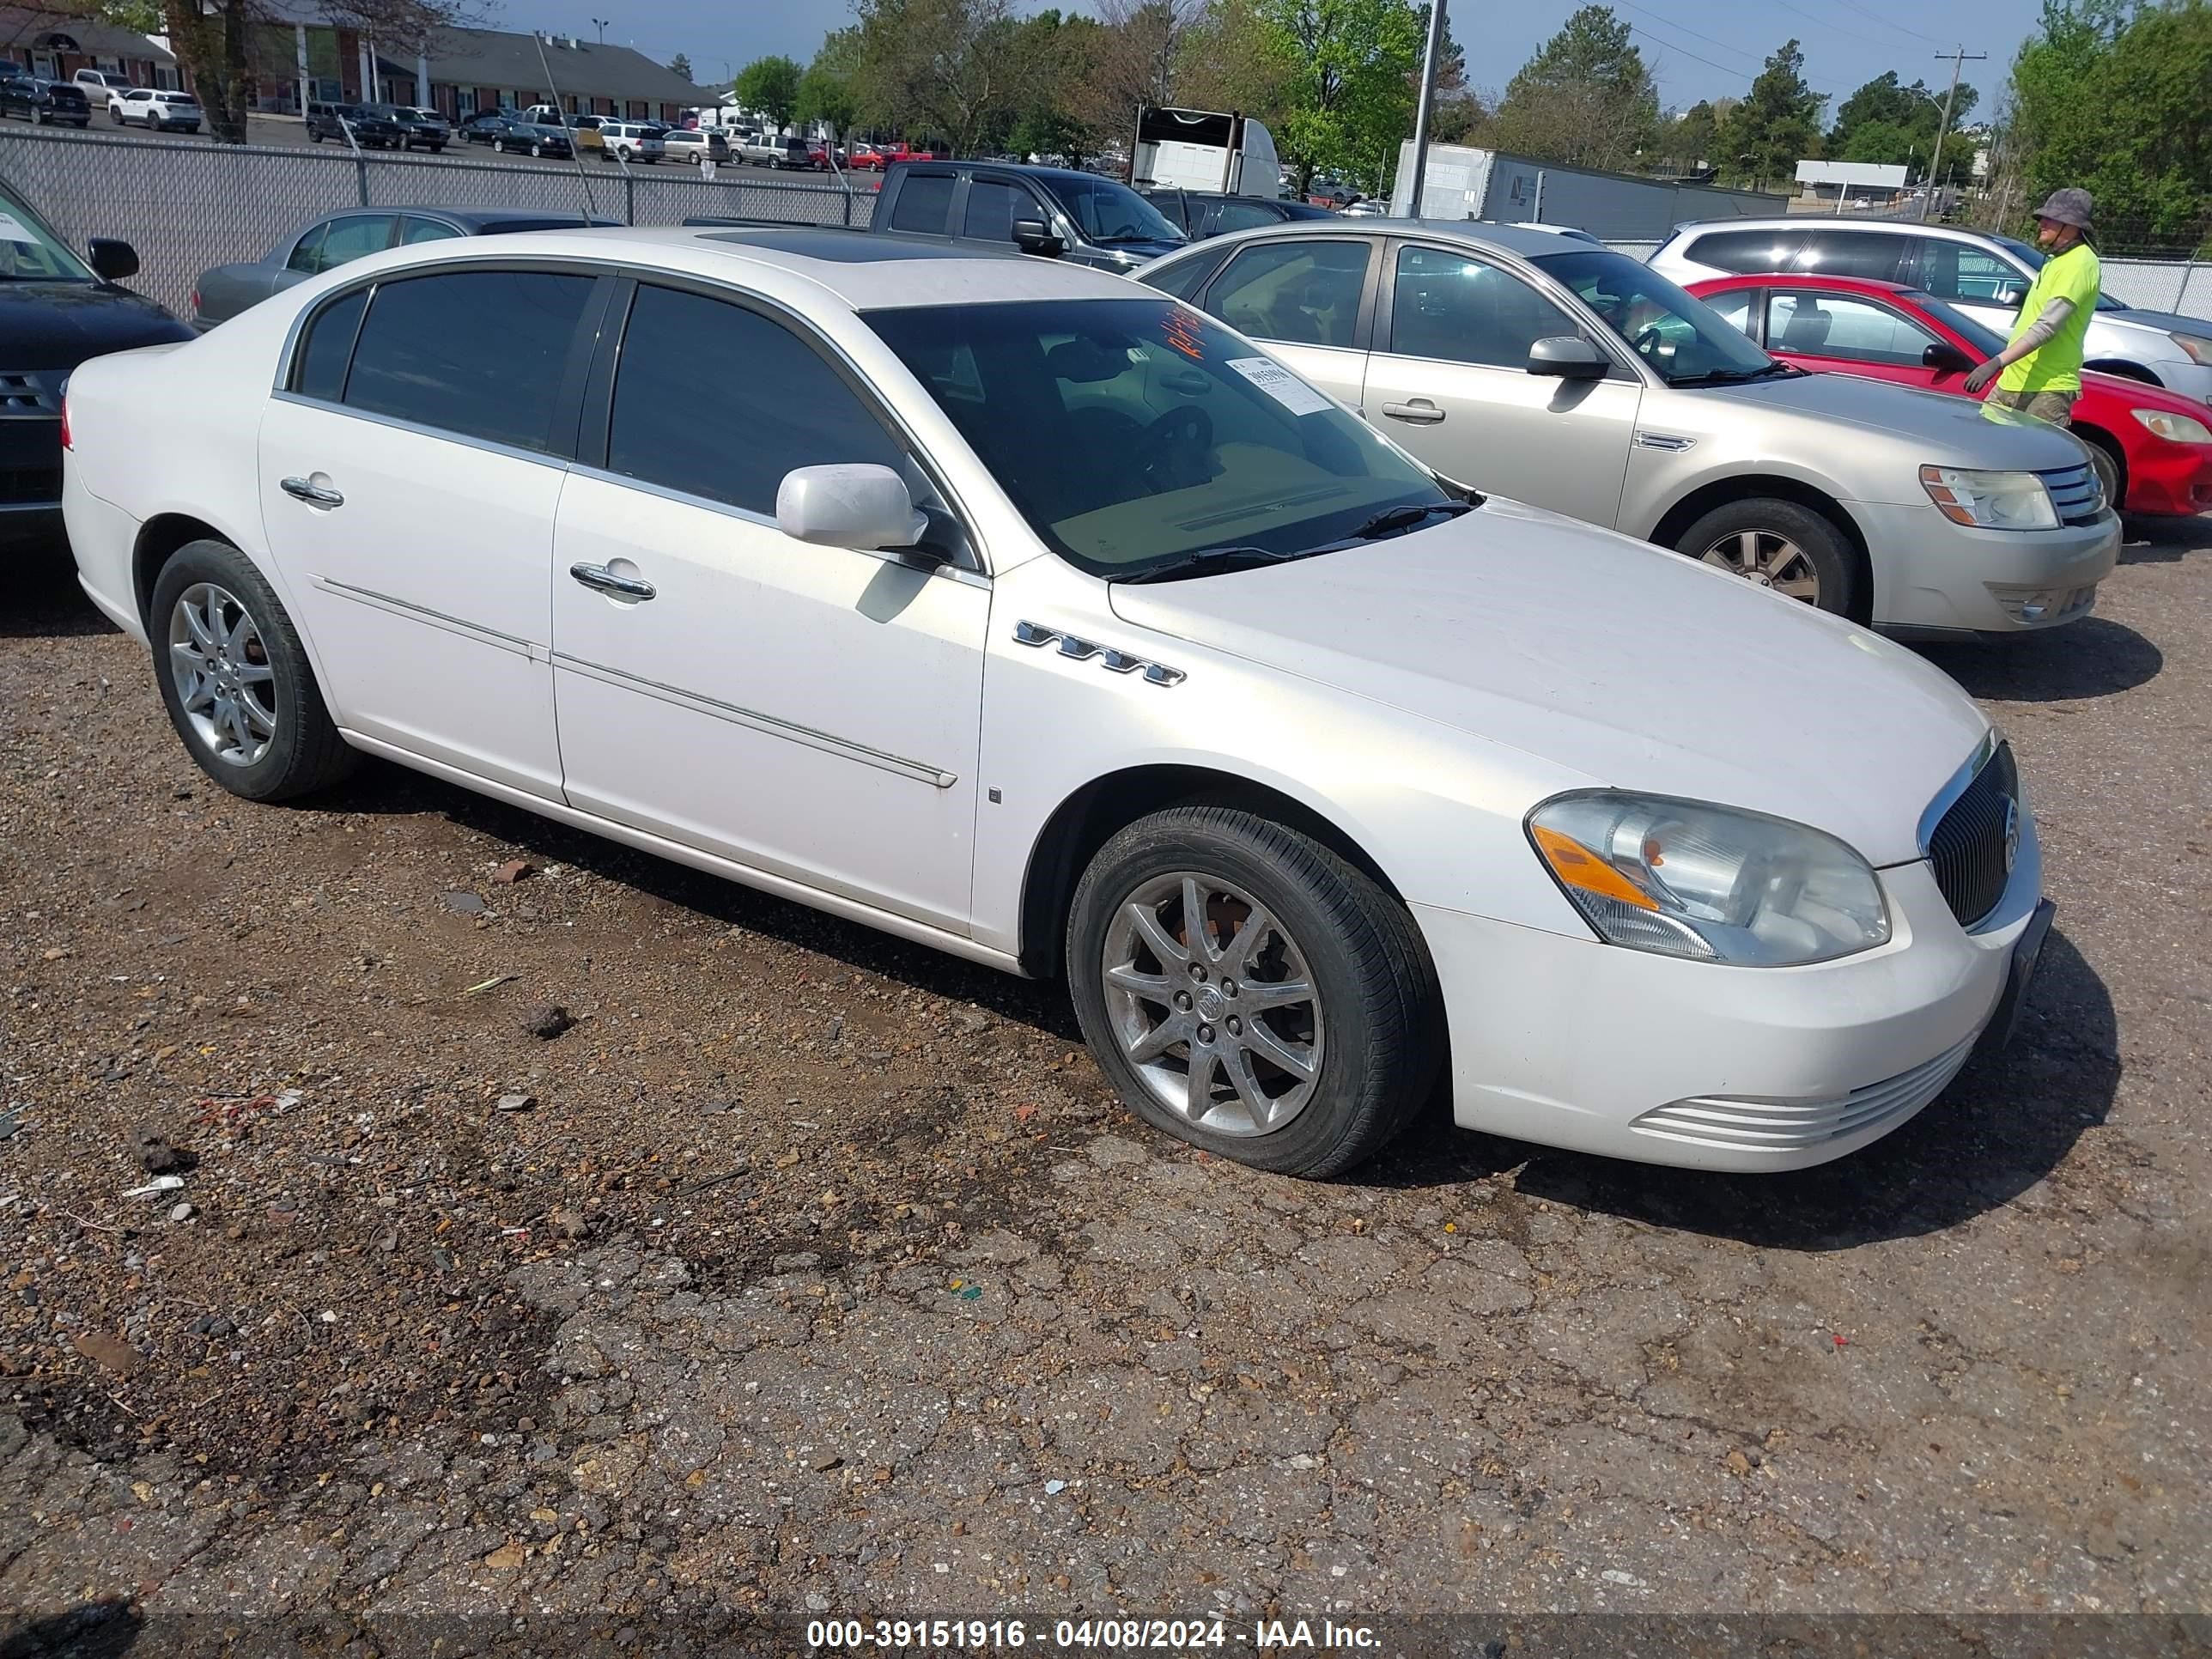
(537, 152)
(2110, 479)
(1252, 992)
(1782, 546)
(236, 680)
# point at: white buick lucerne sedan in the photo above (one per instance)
(1043, 619)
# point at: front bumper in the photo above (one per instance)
(1932, 576)
(1571, 1043)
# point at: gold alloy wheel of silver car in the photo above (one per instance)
(1769, 559)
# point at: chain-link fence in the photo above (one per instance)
(186, 207)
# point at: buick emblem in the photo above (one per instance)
(2012, 835)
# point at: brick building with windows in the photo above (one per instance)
(55, 47)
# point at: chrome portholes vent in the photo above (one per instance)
(1107, 656)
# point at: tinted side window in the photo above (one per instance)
(307, 252)
(1239, 215)
(1170, 205)
(329, 346)
(925, 202)
(1744, 251)
(1735, 308)
(1954, 270)
(426, 230)
(992, 207)
(1460, 310)
(1865, 254)
(350, 239)
(1183, 278)
(686, 351)
(1300, 293)
(480, 353)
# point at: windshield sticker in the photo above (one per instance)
(13, 230)
(1183, 334)
(1279, 383)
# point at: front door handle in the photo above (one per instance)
(1420, 411)
(604, 580)
(314, 495)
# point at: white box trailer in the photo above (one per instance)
(1467, 183)
(1204, 149)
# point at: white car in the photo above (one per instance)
(1984, 276)
(1049, 622)
(154, 109)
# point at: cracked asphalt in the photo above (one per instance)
(811, 1273)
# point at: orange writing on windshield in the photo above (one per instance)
(1183, 335)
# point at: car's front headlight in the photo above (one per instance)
(1709, 883)
(2197, 348)
(2174, 428)
(1989, 501)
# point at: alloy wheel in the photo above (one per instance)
(1770, 560)
(1214, 1005)
(225, 684)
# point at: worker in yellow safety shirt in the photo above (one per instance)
(2039, 370)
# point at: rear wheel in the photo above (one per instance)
(1780, 545)
(236, 680)
(1248, 991)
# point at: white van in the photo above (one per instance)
(1203, 150)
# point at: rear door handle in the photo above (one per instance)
(1420, 411)
(314, 494)
(604, 580)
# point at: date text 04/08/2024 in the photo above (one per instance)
(1164, 1635)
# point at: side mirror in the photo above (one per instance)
(1945, 358)
(112, 261)
(856, 505)
(1567, 357)
(1033, 236)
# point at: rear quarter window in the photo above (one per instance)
(1742, 251)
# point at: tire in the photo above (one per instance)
(1372, 1028)
(1794, 551)
(301, 752)
(499, 146)
(2112, 466)
(314, 137)
(116, 117)
(537, 152)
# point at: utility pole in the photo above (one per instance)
(1943, 126)
(1424, 108)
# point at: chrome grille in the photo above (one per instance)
(2076, 493)
(34, 392)
(1972, 845)
(1782, 1125)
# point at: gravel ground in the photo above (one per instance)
(818, 1273)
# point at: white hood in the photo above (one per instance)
(1638, 668)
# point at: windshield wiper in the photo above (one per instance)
(1405, 516)
(1735, 376)
(1209, 561)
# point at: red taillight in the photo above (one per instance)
(66, 444)
(196, 302)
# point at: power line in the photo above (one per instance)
(1669, 46)
(1684, 29)
(1900, 27)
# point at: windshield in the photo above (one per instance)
(1132, 432)
(1107, 212)
(2035, 259)
(1983, 338)
(29, 253)
(1682, 339)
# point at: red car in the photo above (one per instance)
(866, 156)
(2153, 449)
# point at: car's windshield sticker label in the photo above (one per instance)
(1183, 335)
(1279, 383)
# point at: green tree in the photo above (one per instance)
(681, 65)
(1775, 127)
(950, 69)
(1347, 70)
(2114, 98)
(1690, 139)
(1887, 122)
(1586, 99)
(825, 91)
(770, 86)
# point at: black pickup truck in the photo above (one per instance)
(1053, 212)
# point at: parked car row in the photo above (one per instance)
(379, 126)
(43, 102)
(1053, 622)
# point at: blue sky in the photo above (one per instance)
(1697, 48)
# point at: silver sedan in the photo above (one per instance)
(1571, 377)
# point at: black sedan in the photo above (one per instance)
(337, 239)
(56, 310)
(509, 134)
(372, 126)
(1205, 213)
(43, 102)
